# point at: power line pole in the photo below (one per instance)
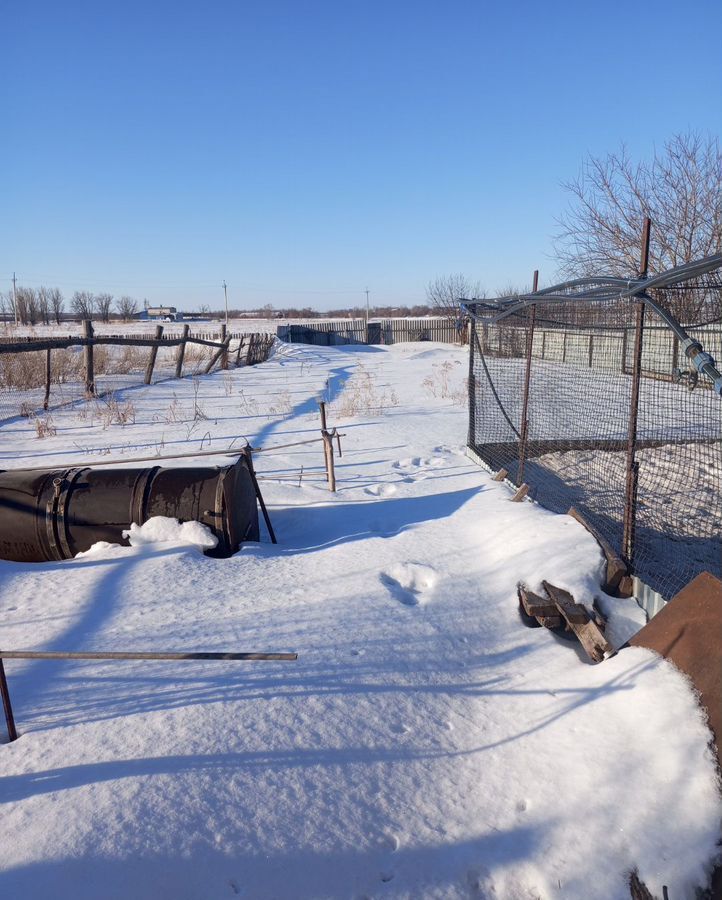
(225, 293)
(367, 307)
(15, 302)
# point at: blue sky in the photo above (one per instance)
(305, 150)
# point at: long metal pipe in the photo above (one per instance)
(64, 654)
(619, 288)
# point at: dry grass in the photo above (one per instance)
(362, 396)
(437, 384)
(45, 427)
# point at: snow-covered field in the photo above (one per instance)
(424, 745)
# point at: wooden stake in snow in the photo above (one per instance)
(328, 449)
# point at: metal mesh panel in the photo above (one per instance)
(573, 447)
(22, 380)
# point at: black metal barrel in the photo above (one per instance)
(57, 513)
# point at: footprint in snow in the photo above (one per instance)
(410, 462)
(416, 468)
(410, 583)
(399, 728)
(387, 840)
(381, 490)
(455, 451)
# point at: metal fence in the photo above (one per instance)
(605, 412)
(378, 331)
(40, 374)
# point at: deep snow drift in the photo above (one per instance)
(425, 743)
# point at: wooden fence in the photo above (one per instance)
(31, 365)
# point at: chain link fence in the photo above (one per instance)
(556, 400)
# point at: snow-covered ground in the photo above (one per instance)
(424, 745)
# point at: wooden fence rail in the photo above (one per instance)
(256, 347)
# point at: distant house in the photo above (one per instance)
(160, 314)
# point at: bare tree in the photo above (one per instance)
(127, 307)
(445, 292)
(679, 189)
(57, 303)
(103, 302)
(26, 300)
(83, 304)
(44, 305)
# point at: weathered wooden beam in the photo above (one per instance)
(89, 372)
(616, 567)
(578, 620)
(217, 355)
(573, 612)
(500, 475)
(521, 493)
(181, 352)
(64, 343)
(534, 605)
(153, 354)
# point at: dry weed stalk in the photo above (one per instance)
(45, 427)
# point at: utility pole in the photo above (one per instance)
(15, 302)
(225, 293)
(367, 308)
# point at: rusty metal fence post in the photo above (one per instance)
(473, 337)
(632, 465)
(524, 430)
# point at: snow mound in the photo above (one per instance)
(164, 530)
(100, 550)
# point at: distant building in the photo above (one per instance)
(160, 314)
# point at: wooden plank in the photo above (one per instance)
(521, 493)
(550, 621)
(500, 475)
(573, 612)
(534, 605)
(590, 636)
(616, 568)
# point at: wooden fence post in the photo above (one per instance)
(328, 453)
(46, 401)
(238, 352)
(224, 354)
(181, 352)
(89, 373)
(327, 449)
(153, 354)
(216, 356)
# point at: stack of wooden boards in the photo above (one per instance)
(559, 610)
